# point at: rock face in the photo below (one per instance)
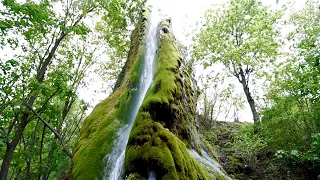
(164, 128)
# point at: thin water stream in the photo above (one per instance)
(206, 161)
(115, 160)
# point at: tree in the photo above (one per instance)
(241, 35)
(43, 72)
(294, 91)
(185, 52)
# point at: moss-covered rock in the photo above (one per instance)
(164, 128)
(100, 128)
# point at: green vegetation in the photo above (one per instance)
(237, 145)
(284, 145)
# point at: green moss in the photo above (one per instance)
(96, 137)
(169, 90)
(100, 128)
(153, 147)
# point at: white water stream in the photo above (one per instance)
(115, 160)
(206, 161)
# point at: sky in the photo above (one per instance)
(186, 13)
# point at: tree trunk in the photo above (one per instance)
(251, 103)
(50, 159)
(6, 162)
(17, 176)
(250, 100)
(11, 146)
(9, 151)
(11, 175)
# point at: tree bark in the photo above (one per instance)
(17, 176)
(11, 175)
(40, 152)
(50, 157)
(9, 152)
(251, 103)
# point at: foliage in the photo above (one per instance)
(294, 101)
(241, 32)
(296, 158)
(310, 155)
(246, 144)
(294, 92)
(290, 117)
(185, 52)
(115, 28)
(237, 147)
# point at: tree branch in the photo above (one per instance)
(39, 111)
(235, 72)
(75, 128)
(52, 129)
(42, 70)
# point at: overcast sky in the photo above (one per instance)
(185, 13)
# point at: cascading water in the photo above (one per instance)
(115, 160)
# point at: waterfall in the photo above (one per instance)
(115, 160)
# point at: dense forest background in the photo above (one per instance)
(53, 50)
